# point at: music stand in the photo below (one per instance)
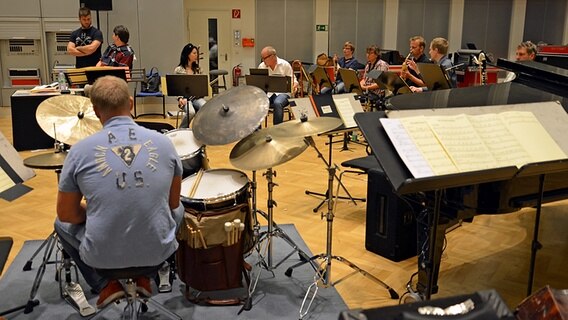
(351, 80)
(272, 83)
(187, 85)
(94, 74)
(258, 71)
(321, 77)
(390, 81)
(434, 76)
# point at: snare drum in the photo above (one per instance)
(189, 149)
(218, 188)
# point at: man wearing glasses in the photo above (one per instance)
(277, 66)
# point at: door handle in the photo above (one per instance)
(225, 57)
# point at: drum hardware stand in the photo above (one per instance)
(274, 231)
(323, 275)
(327, 194)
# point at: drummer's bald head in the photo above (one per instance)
(110, 95)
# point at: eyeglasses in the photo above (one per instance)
(268, 56)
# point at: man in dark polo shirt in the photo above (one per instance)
(85, 42)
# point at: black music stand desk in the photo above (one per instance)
(390, 81)
(434, 76)
(270, 83)
(350, 80)
(187, 85)
(321, 77)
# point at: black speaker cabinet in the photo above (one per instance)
(99, 5)
(391, 224)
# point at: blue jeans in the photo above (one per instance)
(70, 237)
(277, 103)
(190, 110)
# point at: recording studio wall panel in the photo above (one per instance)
(21, 28)
(428, 18)
(19, 8)
(289, 31)
(358, 21)
(60, 9)
(486, 23)
(544, 21)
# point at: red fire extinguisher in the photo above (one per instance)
(236, 74)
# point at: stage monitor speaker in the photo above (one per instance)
(487, 305)
(391, 224)
(99, 5)
(545, 304)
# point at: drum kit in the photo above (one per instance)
(232, 116)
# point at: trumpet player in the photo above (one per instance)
(410, 72)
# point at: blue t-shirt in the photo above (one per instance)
(125, 173)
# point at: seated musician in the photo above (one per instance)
(526, 51)
(130, 177)
(118, 54)
(189, 64)
(410, 74)
(370, 88)
(277, 66)
(439, 55)
(348, 61)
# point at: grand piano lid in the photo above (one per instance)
(536, 74)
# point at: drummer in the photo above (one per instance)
(189, 64)
(275, 65)
(131, 179)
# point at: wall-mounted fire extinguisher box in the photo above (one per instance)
(237, 73)
(248, 42)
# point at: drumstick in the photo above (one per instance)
(236, 224)
(241, 229)
(196, 183)
(193, 244)
(202, 239)
(228, 229)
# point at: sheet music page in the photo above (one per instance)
(345, 112)
(504, 147)
(408, 151)
(462, 143)
(429, 146)
(532, 136)
(5, 181)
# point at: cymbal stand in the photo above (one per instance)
(327, 194)
(323, 276)
(273, 230)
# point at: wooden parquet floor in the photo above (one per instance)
(491, 252)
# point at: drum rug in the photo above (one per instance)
(276, 296)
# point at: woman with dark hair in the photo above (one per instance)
(189, 64)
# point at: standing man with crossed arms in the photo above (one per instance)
(85, 42)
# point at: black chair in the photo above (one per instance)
(5, 247)
(135, 304)
(358, 166)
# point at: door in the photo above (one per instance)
(211, 30)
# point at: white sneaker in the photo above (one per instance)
(74, 292)
(164, 276)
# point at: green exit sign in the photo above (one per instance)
(321, 27)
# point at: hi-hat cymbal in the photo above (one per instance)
(260, 150)
(67, 118)
(309, 127)
(231, 115)
(52, 160)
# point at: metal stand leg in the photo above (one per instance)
(323, 276)
(273, 230)
(327, 164)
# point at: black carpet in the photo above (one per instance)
(276, 297)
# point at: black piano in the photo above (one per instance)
(534, 82)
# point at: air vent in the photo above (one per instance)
(62, 36)
(22, 46)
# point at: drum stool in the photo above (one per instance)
(134, 303)
(362, 166)
(215, 84)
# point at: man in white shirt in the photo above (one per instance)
(277, 66)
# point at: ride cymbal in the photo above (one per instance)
(260, 150)
(304, 128)
(231, 115)
(67, 118)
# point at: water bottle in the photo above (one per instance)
(62, 82)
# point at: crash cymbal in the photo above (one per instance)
(231, 115)
(260, 150)
(67, 118)
(305, 127)
(52, 160)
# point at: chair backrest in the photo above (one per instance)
(5, 247)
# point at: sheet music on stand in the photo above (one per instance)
(342, 106)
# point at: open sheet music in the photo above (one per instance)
(438, 145)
